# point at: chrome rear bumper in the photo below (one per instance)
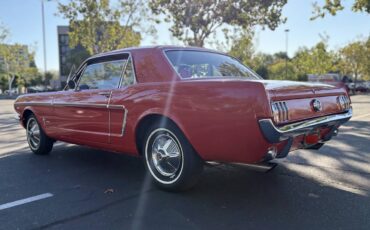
(275, 134)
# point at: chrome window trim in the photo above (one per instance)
(87, 65)
(206, 51)
(124, 71)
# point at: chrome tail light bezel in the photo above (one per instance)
(280, 111)
(344, 103)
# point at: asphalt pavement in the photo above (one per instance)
(82, 188)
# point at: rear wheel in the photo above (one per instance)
(37, 140)
(170, 159)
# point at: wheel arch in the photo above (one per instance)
(26, 113)
(149, 119)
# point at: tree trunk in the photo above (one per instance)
(355, 84)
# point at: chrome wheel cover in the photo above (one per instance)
(33, 133)
(164, 156)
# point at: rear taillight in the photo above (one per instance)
(343, 102)
(280, 111)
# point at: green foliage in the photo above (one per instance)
(96, 25)
(355, 59)
(4, 33)
(333, 6)
(242, 48)
(193, 21)
(351, 60)
(3, 82)
(317, 60)
(18, 62)
(280, 71)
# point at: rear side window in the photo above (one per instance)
(202, 64)
(105, 75)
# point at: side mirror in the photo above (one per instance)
(71, 84)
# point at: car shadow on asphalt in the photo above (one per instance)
(225, 197)
(345, 158)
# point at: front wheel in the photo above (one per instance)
(170, 159)
(37, 140)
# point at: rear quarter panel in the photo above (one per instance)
(219, 118)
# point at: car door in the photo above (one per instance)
(119, 108)
(82, 114)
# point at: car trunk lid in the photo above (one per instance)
(295, 100)
(285, 90)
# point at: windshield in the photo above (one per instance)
(200, 64)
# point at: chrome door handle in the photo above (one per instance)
(107, 94)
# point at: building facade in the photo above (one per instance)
(68, 57)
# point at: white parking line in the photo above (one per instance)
(26, 200)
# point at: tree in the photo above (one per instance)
(96, 25)
(242, 48)
(316, 60)
(4, 33)
(355, 59)
(333, 6)
(19, 62)
(193, 21)
(280, 71)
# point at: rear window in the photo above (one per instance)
(201, 64)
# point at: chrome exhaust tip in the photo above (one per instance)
(260, 167)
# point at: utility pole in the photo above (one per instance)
(43, 35)
(286, 53)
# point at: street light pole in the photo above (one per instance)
(286, 53)
(43, 35)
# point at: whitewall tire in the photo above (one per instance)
(170, 159)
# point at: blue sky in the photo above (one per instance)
(23, 19)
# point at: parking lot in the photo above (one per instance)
(84, 188)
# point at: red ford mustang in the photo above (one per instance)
(179, 107)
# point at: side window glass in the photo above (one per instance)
(129, 74)
(105, 75)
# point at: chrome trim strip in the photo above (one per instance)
(80, 105)
(286, 111)
(78, 75)
(123, 70)
(276, 134)
(124, 122)
(34, 103)
(116, 107)
(76, 104)
(315, 121)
